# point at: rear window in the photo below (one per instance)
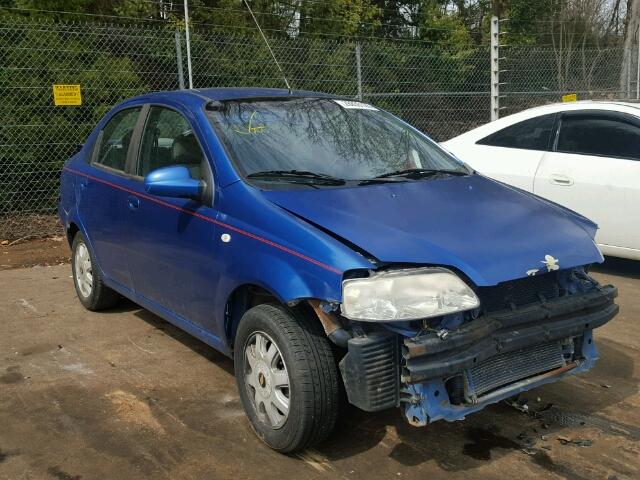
(115, 138)
(609, 136)
(532, 134)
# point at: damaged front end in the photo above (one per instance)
(524, 333)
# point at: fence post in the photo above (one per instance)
(495, 68)
(179, 59)
(187, 38)
(359, 69)
(638, 66)
(625, 82)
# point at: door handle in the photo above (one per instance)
(83, 183)
(562, 180)
(133, 202)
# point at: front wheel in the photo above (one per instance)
(287, 377)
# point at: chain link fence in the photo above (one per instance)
(532, 76)
(442, 90)
(110, 62)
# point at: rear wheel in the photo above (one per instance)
(92, 292)
(287, 377)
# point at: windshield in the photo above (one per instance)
(324, 139)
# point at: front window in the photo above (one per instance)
(326, 140)
(169, 140)
(531, 134)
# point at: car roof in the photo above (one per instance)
(209, 94)
(582, 105)
(488, 128)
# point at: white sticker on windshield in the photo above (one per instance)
(355, 105)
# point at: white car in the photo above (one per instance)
(583, 155)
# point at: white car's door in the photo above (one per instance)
(511, 154)
(595, 170)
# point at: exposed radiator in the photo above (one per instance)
(513, 366)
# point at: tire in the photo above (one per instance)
(306, 357)
(91, 290)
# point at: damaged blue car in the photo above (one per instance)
(330, 248)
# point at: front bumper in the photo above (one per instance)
(484, 361)
(428, 356)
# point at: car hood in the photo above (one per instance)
(488, 230)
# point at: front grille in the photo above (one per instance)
(519, 292)
(513, 366)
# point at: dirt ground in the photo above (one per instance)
(46, 251)
(124, 395)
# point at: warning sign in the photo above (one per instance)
(570, 97)
(67, 95)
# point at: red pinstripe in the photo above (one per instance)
(210, 220)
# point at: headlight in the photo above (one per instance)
(406, 295)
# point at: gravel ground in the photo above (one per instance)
(123, 394)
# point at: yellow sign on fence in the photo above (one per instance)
(67, 95)
(570, 97)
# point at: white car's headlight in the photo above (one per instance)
(406, 295)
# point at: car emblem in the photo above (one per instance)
(549, 261)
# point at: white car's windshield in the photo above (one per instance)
(326, 140)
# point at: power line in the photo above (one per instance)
(268, 46)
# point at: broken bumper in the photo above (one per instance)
(486, 360)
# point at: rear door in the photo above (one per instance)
(102, 200)
(595, 170)
(512, 154)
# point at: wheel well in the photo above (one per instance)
(71, 233)
(242, 299)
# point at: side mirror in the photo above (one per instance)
(173, 181)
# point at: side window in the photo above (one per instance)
(169, 140)
(532, 134)
(115, 138)
(605, 135)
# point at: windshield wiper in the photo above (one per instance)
(297, 174)
(412, 174)
(421, 173)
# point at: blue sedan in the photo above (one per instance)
(328, 246)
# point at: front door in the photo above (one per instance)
(512, 155)
(172, 251)
(595, 171)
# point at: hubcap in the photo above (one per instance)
(266, 379)
(83, 270)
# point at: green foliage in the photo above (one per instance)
(441, 27)
(434, 49)
(110, 64)
(524, 20)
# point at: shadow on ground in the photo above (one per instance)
(499, 428)
(484, 436)
(619, 266)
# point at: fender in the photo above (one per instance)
(68, 206)
(277, 264)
